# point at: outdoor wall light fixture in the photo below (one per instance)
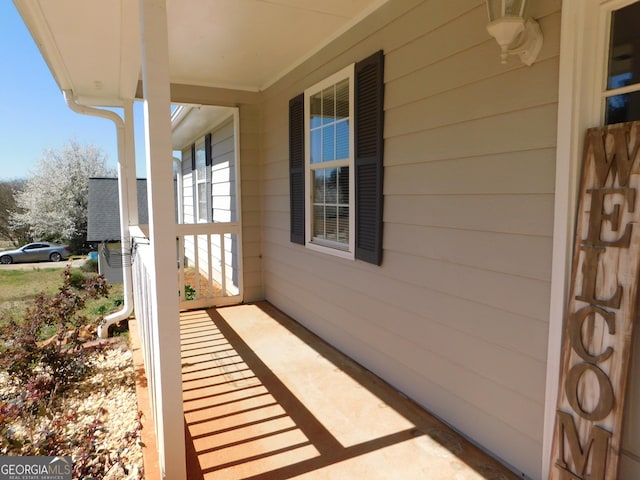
(514, 34)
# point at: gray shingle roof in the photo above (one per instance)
(104, 211)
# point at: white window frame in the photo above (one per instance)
(200, 181)
(604, 44)
(337, 249)
(583, 63)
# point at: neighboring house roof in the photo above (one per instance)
(104, 208)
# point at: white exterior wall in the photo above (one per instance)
(187, 187)
(224, 202)
(457, 315)
(223, 173)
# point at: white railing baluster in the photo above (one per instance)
(183, 293)
(223, 266)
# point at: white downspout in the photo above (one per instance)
(125, 311)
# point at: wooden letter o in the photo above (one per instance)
(605, 400)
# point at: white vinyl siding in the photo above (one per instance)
(223, 174)
(457, 314)
(187, 187)
(224, 201)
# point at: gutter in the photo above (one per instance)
(127, 308)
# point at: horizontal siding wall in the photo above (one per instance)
(187, 187)
(456, 317)
(224, 204)
(223, 177)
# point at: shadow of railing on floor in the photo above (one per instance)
(239, 413)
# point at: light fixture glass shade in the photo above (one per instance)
(505, 8)
(505, 30)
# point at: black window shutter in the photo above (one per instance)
(208, 163)
(194, 185)
(368, 141)
(296, 168)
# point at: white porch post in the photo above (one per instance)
(163, 272)
(130, 165)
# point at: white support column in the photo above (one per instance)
(169, 415)
(130, 163)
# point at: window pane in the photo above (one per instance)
(623, 108)
(315, 108)
(201, 161)
(329, 130)
(315, 147)
(342, 99)
(331, 185)
(328, 143)
(319, 186)
(328, 105)
(331, 223)
(202, 201)
(343, 224)
(343, 186)
(318, 221)
(625, 44)
(342, 140)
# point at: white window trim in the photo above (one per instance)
(604, 23)
(580, 106)
(338, 250)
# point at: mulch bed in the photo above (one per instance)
(102, 409)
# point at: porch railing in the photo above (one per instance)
(209, 266)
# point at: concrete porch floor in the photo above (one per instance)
(266, 399)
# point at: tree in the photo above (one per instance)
(54, 200)
(8, 191)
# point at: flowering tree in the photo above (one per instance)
(53, 202)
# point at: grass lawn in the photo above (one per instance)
(18, 289)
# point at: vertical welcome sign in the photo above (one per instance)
(602, 308)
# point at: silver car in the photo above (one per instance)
(36, 252)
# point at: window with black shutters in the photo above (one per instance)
(336, 164)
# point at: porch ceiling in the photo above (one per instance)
(92, 46)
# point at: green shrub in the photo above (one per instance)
(91, 265)
(189, 292)
(77, 279)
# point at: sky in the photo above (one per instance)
(33, 114)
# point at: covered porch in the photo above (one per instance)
(264, 398)
(431, 244)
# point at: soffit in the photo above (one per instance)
(89, 45)
(188, 123)
(92, 46)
